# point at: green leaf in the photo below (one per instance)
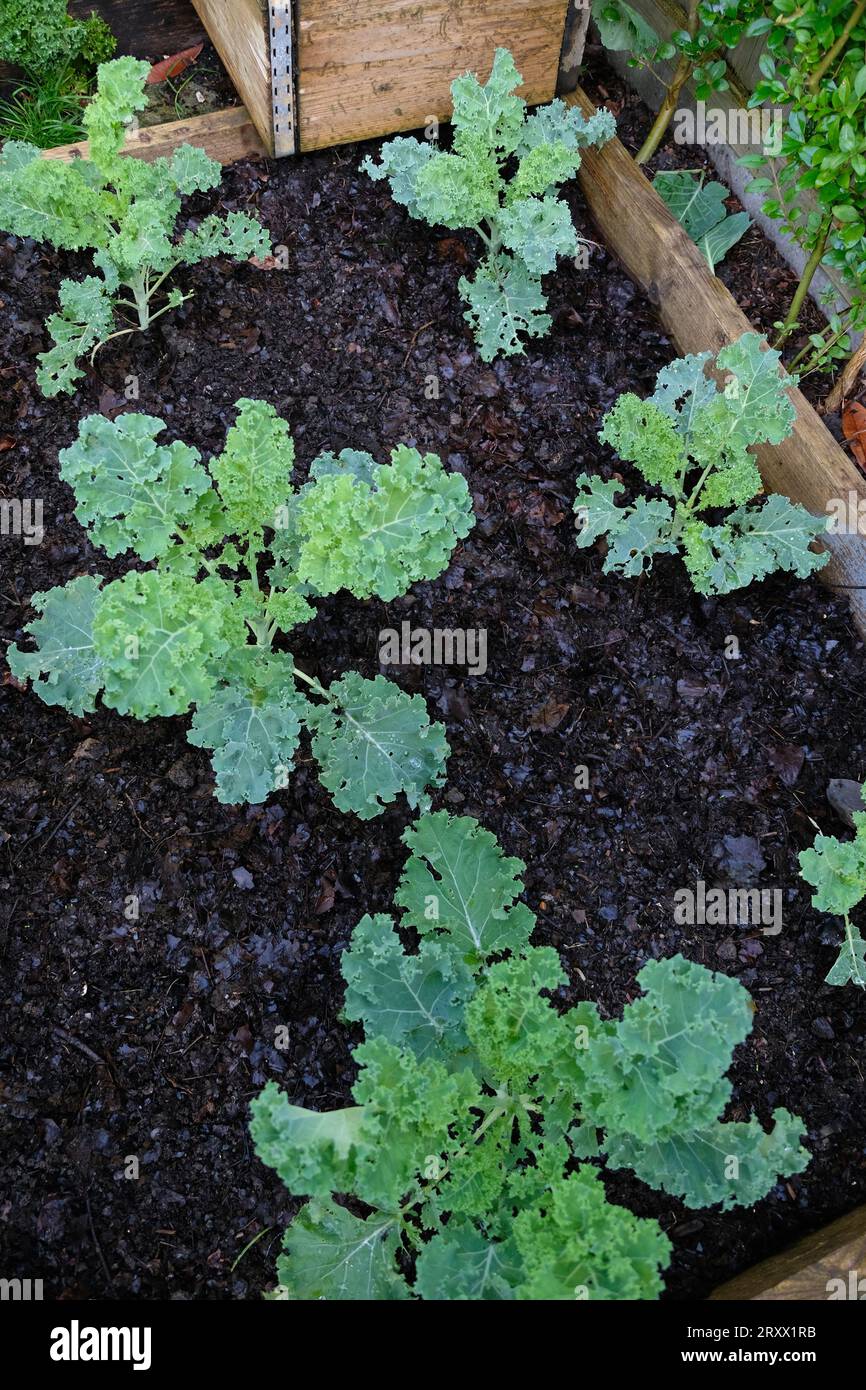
(757, 398)
(504, 300)
(643, 531)
(65, 668)
(332, 1254)
(729, 1163)
(538, 230)
(700, 208)
(463, 1265)
(751, 544)
(252, 723)
(372, 742)
(595, 508)
(237, 235)
(836, 869)
(401, 162)
(580, 1247)
(489, 117)
(540, 170)
(558, 124)
(621, 28)
(192, 170)
(253, 474)
(85, 320)
(49, 200)
(717, 242)
(459, 884)
(382, 535)
(119, 95)
(160, 638)
(454, 191)
(131, 492)
(648, 435)
(414, 1001)
(512, 1027)
(850, 965)
(314, 1153)
(655, 1083)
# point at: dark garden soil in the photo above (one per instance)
(148, 1039)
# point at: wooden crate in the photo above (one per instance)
(372, 67)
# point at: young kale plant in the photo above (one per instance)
(692, 441)
(836, 869)
(476, 1099)
(522, 223)
(198, 629)
(125, 210)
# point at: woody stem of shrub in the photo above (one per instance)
(793, 316)
(681, 74)
(833, 53)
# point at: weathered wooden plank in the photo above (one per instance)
(700, 314)
(238, 31)
(146, 28)
(225, 135)
(372, 67)
(830, 1263)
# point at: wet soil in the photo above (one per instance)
(134, 1046)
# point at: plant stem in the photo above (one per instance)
(793, 315)
(681, 74)
(832, 53)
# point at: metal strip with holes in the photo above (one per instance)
(283, 99)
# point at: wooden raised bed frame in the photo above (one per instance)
(373, 67)
(700, 314)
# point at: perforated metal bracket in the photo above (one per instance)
(283, 95)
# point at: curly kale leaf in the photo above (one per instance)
(377, 530)
(402, 162)
(329, 1253)
(415, 1001)
(160, 638)
(66, 668)
(464, 1265)
(836, 869)
(459, 885)
(655, 1083)
(521, 222)
(85, 320)
(752, 543)
(538, 230)
(253, 474)
(131, 492)
(505, 299)
(252, 723)
(372, 742)
(488, 119)
(578, 1245)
